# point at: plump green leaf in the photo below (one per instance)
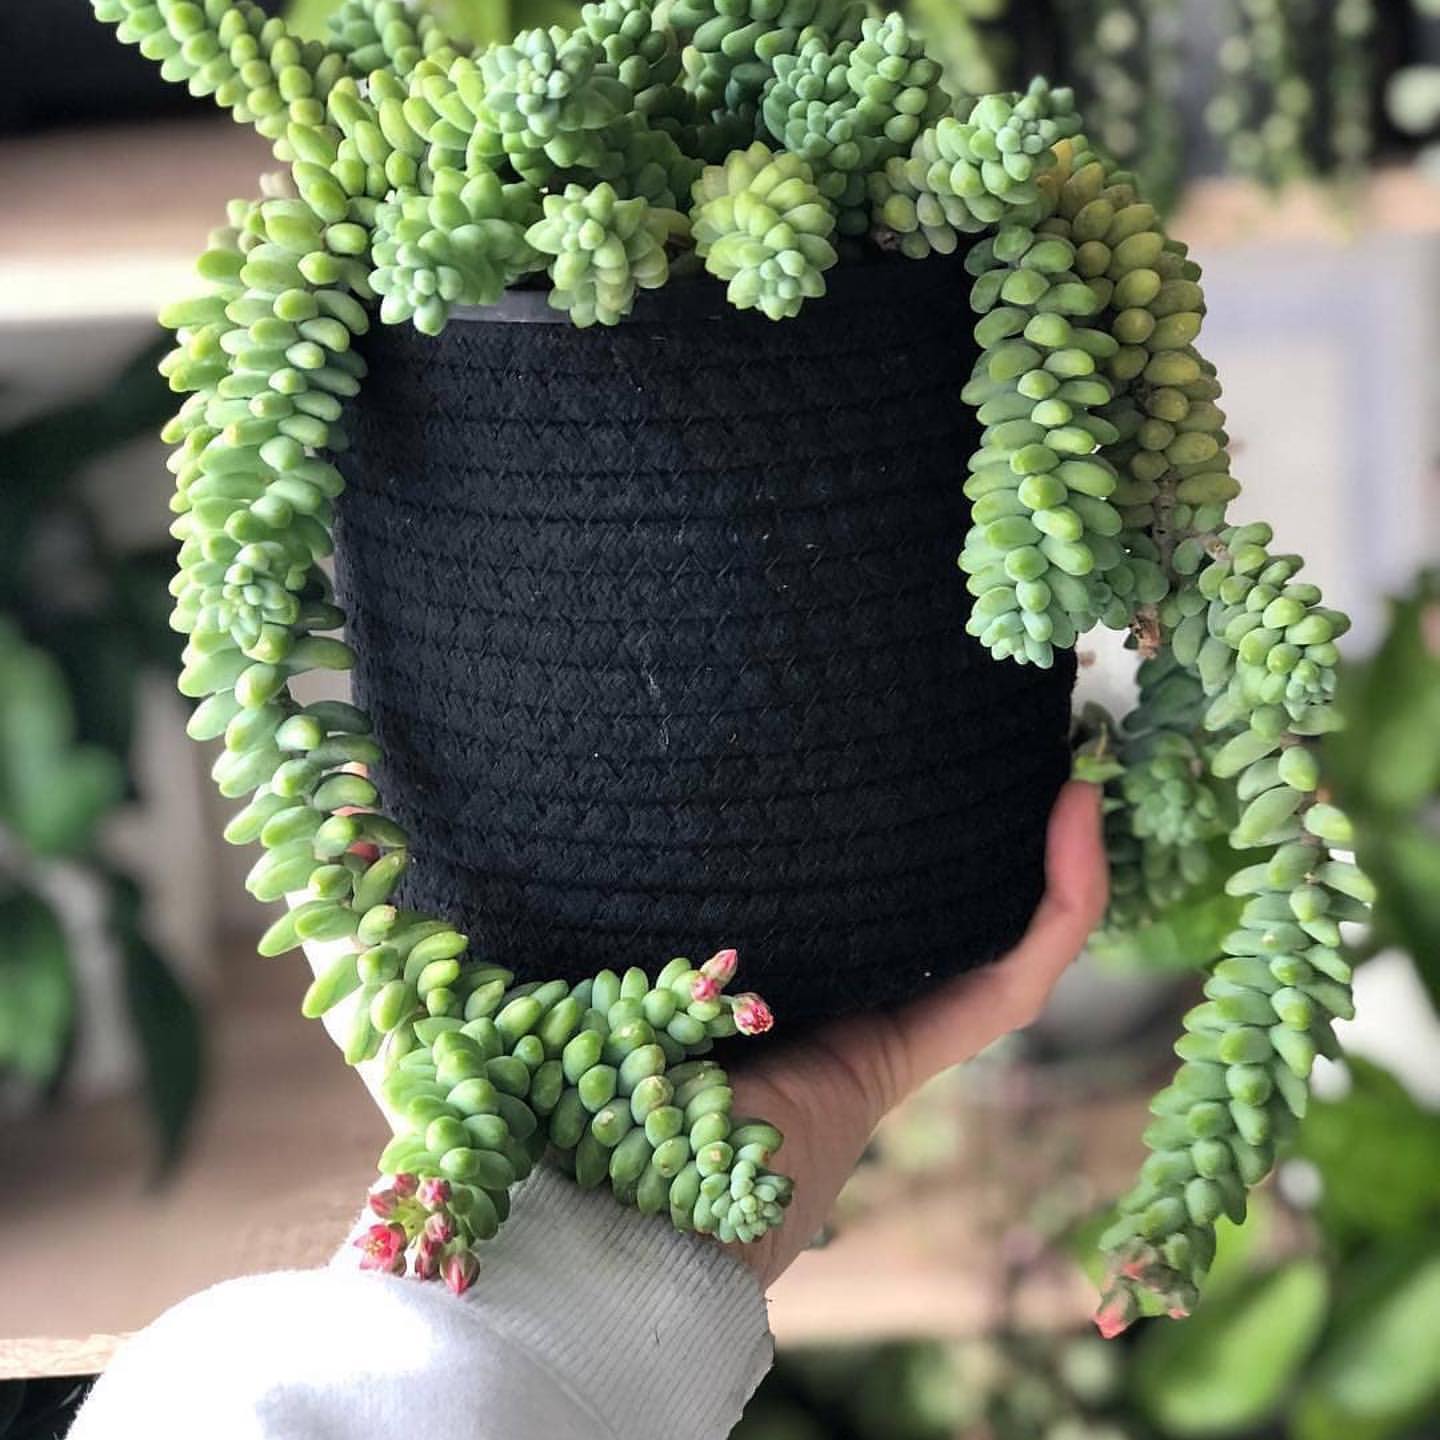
(1384, 769)
(1378, 1153)
(167, 1026)
(1230, 1367)
(1387, 758)
(36, 996)
(52, 792)
(1380, 1374)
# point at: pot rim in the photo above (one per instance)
(699, 296)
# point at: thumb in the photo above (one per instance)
(959, 1020)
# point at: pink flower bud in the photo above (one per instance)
(1116, 1314)
(721, 967)
(752, 1015)
(381, 1246)
(703, 987)
(439, 1228)
(460, 1269)
(433, 1193)
(427, 1258)
(404, 1185)
(382, 1201)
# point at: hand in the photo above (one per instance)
(828, 1092)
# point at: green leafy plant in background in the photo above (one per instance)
(79, 625)
(53, 794)
(1388, 766)
(1000, 1388)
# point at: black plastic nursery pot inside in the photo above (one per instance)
(662, 630)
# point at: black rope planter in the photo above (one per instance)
(663, 636)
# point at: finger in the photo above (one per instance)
(959, 1020)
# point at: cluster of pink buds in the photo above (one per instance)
(1144, 1271)
(418, 1232)
(751, 1014)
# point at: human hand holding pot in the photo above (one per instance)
(828, 1092)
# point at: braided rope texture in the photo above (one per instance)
(664, 638)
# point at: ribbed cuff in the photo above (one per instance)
(660, 1334)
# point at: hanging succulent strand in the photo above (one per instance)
(1352, 121)
(1098, 497)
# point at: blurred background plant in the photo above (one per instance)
(1412, 95)
(81, 624)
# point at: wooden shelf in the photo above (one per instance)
(106, 224)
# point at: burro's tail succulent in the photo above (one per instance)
(606, 1076)
(418, 177)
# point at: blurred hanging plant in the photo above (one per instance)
(1412, 97)
(79, 624)
(482, 22)
(1126, 61)
(1294, 100)
(976, 41)
(1297, 90)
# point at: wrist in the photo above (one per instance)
(617, 1307)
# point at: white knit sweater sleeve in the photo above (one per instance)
(588, 1322)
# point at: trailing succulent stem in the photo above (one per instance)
(420, 178)
(605, 1075)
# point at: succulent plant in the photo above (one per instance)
(761, 224)
(1098, 496)
(603, 249)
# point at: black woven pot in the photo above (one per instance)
(663, 634)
